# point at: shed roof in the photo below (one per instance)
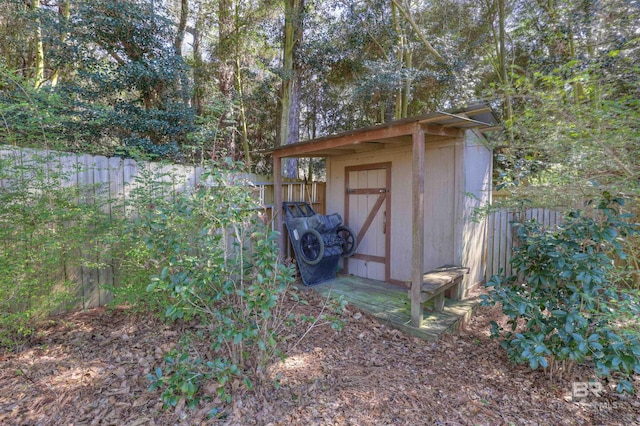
(439, 125)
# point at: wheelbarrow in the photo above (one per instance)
(318, 241)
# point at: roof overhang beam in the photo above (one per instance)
(334, 145)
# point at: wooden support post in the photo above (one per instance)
(459, 216)
(417, 221)
(438, 302)
(276, 213)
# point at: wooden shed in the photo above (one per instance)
(408, 189)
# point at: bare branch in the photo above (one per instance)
(409, 18)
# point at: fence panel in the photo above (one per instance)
(111, 181)
(502, 237)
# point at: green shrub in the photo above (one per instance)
(46, 233)
(564, 307)
(217, 263)
(133, 259)
(203, 255)
(183, 374)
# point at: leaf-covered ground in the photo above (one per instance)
(90, 368)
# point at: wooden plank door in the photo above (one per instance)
(367, 212)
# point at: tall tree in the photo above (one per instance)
(290, 91)
(575, 119)
(64, 13)
(406, 12)
(197, 62)
(16, 36)
(502, 54)
(226, 73)
(127, 96)
(239, 86)
(38, 46)
(183, 15)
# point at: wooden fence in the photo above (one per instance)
(111, 181)
(115, 178)
(502, 237)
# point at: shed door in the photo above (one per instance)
(367, 209)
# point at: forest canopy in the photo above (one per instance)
(189, 80)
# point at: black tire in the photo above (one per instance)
(348, 237)
(311, 247)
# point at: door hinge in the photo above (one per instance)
(384, 222)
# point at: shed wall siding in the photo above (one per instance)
(439, 212)
(477, 172)
(440, 202)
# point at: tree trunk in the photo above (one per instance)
(181, 82)
(407, 15)
(246, 150)
(38, 77)
(290, 94)
(196, 98)
(244, 139)
(408, 63)
(504, 76)
(226, 71)
(182, 26)
(396, 25)
(64, 11)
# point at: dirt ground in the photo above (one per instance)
(89, 368)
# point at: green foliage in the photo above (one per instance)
(133, 257)
(576, 113)
(568, 309)
(128, 91)
(28, 116)
(577, 132)
(574, 92)
(46, 233)
(182, 376)
(133, 262)
(198, 254)
(137, 94)
(204, 141)
(212, 260)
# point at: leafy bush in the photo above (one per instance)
(133, 259)
(46, 232)
(33, 117)
(215, 262)
(568, 309)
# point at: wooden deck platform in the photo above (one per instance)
(390, 305)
